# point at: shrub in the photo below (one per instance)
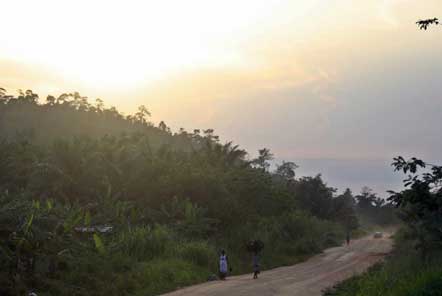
(144, 242)
(199, 253)
(160, 275)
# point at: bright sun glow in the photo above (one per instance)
(126, 43)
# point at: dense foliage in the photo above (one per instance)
(96, 203)
(421, 202)
(374, 210)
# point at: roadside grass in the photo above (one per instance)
(150, 259)
(154, 260)
(404, 273)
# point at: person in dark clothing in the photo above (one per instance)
(255, 262)
(255, 247)
(348, 238)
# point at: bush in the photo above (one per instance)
(159, 276)
(144, 242)
(427, 283)
(198, 253)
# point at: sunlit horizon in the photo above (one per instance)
(115, 45)
(331, 72)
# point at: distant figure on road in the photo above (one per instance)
(223, 265)
(348, 238)
(254, 247)
(255, 262)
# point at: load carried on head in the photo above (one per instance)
(255, 246)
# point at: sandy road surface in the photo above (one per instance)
(305, 279)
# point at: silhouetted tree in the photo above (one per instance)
(366, 198)
(263, 159)
(421, 201)
(344, 207)
(287, 170)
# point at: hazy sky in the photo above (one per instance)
(338, 86)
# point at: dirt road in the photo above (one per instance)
(305, 279)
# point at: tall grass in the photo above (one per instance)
(144, 242)
(152, 259)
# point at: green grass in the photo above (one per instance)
(152, 259)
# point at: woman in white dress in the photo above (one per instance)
(223, 265)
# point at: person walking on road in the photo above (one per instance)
(255, 262)
(223, 265)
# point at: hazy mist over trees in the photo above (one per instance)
(68, 165)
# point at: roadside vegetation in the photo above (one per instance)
(404, 273)
(415, 266)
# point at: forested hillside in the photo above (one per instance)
(72, 115)
(96, 203)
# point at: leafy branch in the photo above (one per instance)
(423, 24)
